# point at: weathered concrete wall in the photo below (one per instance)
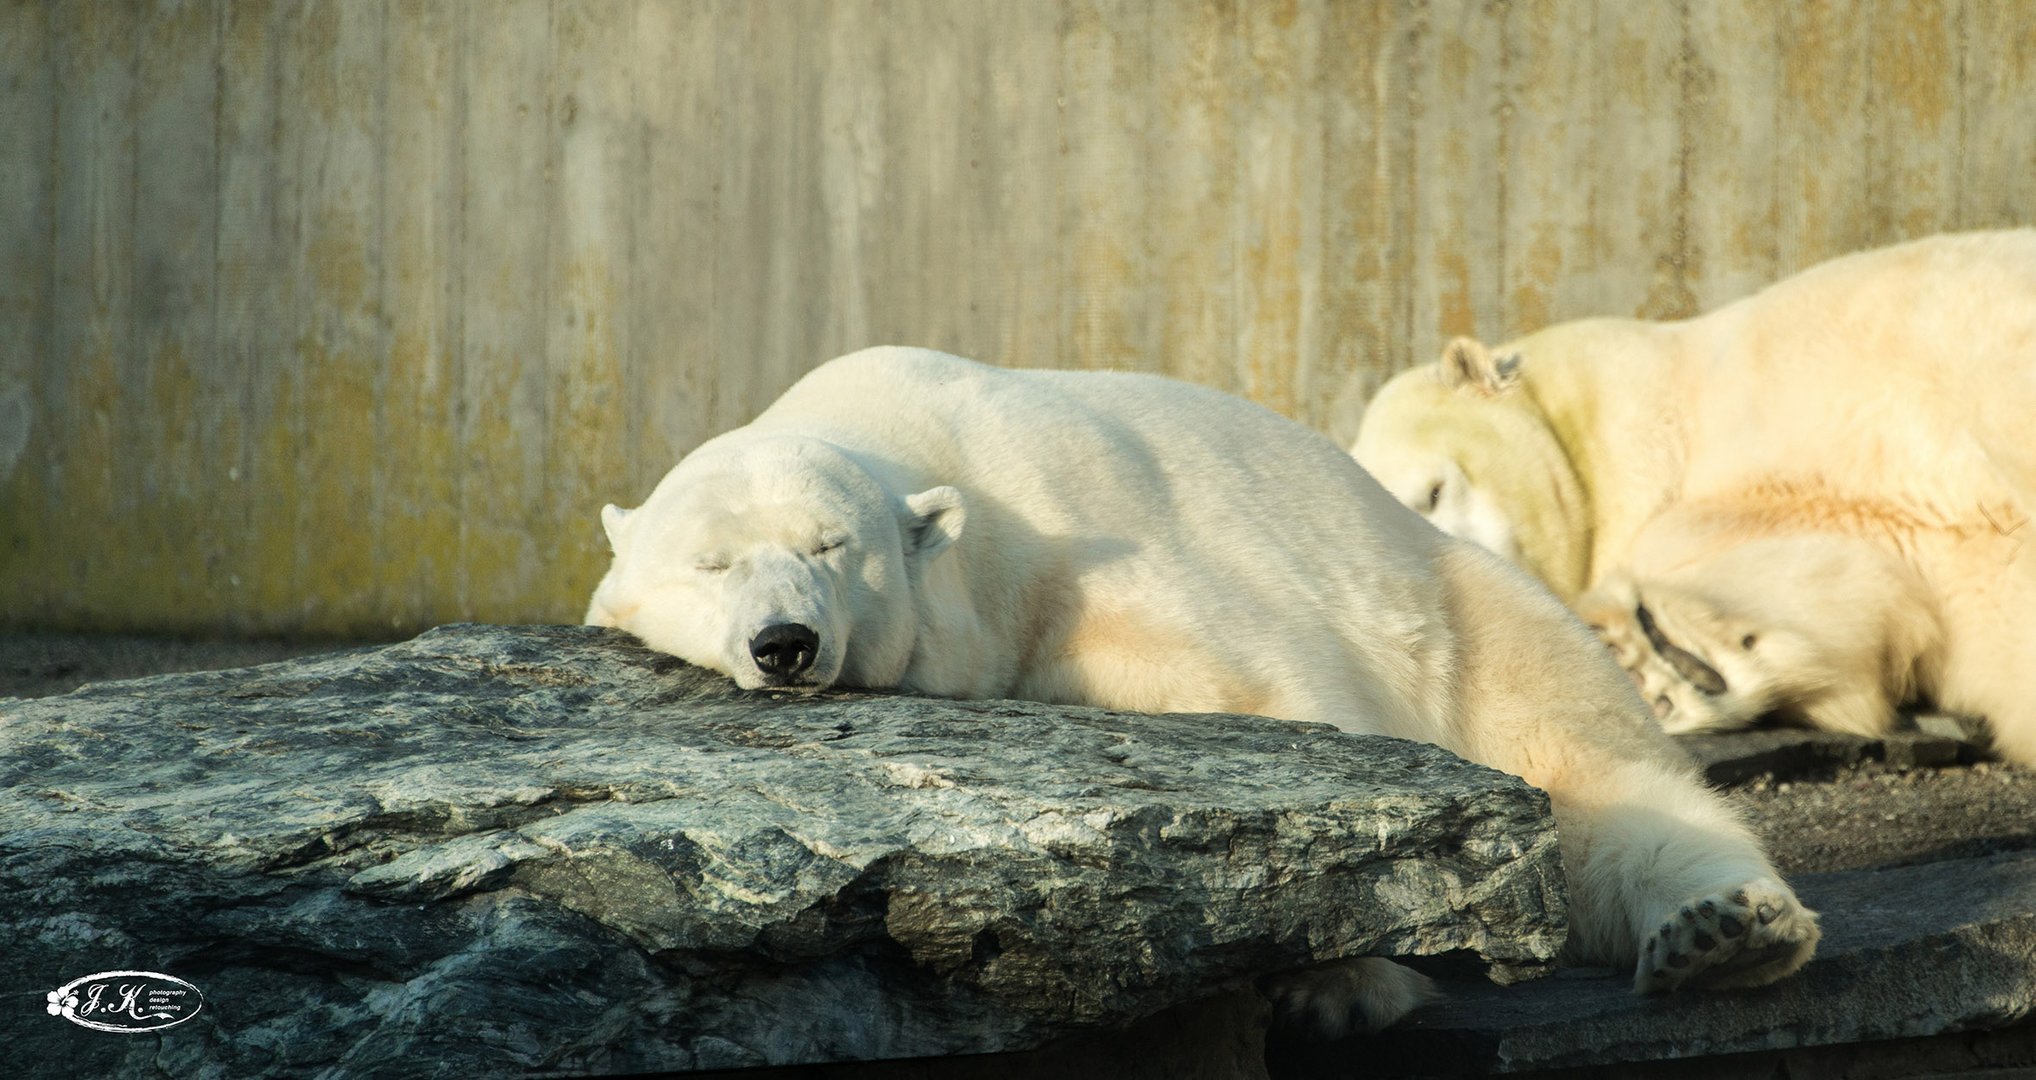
(344, 317)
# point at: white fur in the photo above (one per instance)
(1821, 492)
(1132, 542)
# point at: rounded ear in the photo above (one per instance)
(613, 518)
(933, 520)
(1466, 362)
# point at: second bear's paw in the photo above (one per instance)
(1748, 936)
(1346, 997)
(1681, 705)
(1684, 691)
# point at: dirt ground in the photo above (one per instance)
(38, 665)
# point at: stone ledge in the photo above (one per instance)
(502, 850)
(1912, 951)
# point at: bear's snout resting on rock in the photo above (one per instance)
(784, 652)
(1812, 502)
(905, 519)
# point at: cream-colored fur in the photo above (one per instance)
(1813, 501)
(1131, 542)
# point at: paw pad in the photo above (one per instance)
(1752, 936)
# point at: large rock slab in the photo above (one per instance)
(490, 851)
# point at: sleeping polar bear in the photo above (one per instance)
(1812, 501)
(906, 519)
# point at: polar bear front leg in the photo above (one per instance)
(1667, 882)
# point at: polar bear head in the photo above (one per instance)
(778, 561)
(1464, 444)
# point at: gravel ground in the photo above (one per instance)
(37, 665)
(1876, 817)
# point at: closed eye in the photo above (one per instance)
(1435, 496)
(711, 566)
(827, 545)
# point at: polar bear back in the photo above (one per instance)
(1908, 365)
(1141, 506)
(1054, 443)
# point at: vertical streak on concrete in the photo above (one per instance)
(672, 225)
(588, 395)
(2000, 65)
(335, 52)
(1550, 203)
(1020, 140)
(93, 492)
(1822, 132)
(1638, 158)
(1109, 275)
(29, 422)
(419, 543)
(173, 400)
(1190, 184)
(1362, 192)
(257, 317)
(1914, 169)
(1732, 77)
(505, 552)
(1457, 162)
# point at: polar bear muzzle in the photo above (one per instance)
(784, 651)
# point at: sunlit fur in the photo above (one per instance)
(1823, 491)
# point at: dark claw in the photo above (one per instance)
(1667, 929)
(1739, 898)
(1768, 913)
(1686, 663)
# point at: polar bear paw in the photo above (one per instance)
(1346, 997)
(1685, 692)
(1747, 936)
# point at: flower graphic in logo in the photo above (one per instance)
(125, 1001)
(62, 1004)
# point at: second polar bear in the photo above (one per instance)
(905, 519)
(1813, 501)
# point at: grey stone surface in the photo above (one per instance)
(493, 851)
(1912, 951)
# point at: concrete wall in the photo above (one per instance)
(344, 317)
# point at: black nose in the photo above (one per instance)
(783, 652)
